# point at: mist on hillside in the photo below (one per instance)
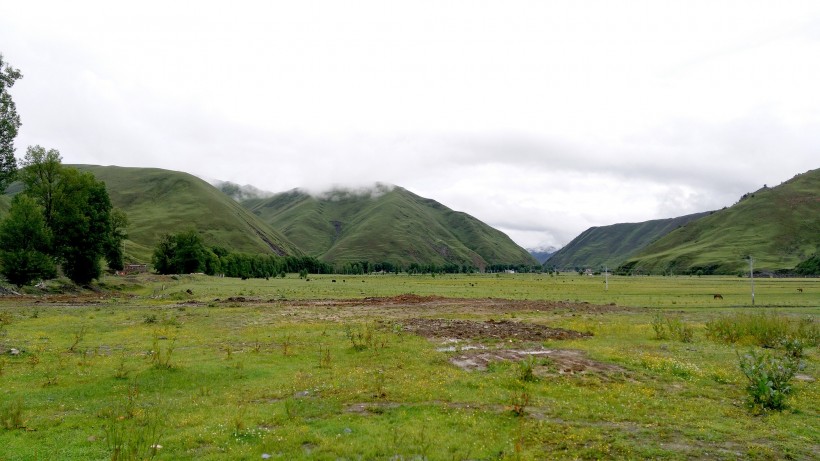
(239, 192)
(338, 193)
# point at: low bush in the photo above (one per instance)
(768, 379)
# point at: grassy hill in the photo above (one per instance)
(612, 245)
(161, 201)
(778, 227)
(387, 224)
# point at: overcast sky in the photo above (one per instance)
(541, 118)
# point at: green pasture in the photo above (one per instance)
(664, 292)
(262, 369)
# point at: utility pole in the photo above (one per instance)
(606, 278)
(752, 277)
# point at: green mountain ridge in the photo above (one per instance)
(778, 227)
(612, 245)
(387, 224)
(160, 201)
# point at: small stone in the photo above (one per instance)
(14, 351)
(265, 456)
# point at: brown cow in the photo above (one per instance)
(718, 296)
(799, 290)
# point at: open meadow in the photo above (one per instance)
(451, 367)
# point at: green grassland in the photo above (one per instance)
(386, 225)
(158, 202)
(216, 368)
(778, 226)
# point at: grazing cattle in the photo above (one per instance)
(718, 296)
(799, 290)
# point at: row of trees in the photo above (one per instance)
(366, 267)
(186, 253)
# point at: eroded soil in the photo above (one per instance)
(490, 329)
(548, 362)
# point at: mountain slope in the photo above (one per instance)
(162, 201)
(778, 227)
(612, 245)
(387, 224)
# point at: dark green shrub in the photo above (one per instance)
(768, 379)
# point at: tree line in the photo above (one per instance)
(186, 253)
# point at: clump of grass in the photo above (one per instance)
(162, 358)
(768, 379)
(287, 345)
(11, 415)
(5, 320)
(379, 380)
(130, 439)
(324, 357)
(122, 370)
(79, 334)
(763, 329)
(526, 370)
(519, 401)
(361, 337)
(672, 327)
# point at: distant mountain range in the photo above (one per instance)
(778, 227)
(542, 255)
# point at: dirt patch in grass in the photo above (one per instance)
(490, 329)
(559, 362)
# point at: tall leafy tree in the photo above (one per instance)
(81, 224)
(78, 212)
(9, 124)
(42, 172)
(24, 243)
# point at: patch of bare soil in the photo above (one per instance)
(490, 329)
(560, 362)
